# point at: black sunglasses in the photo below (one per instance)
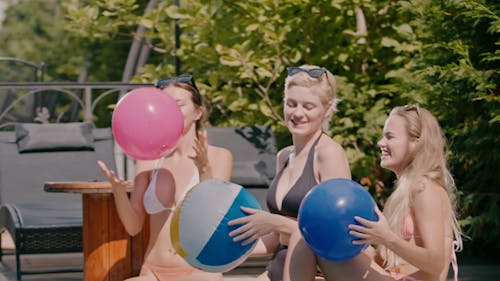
(313, 72)
(415, 107)
(180, 79)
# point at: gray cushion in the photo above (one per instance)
(32, 137)
(254, 152)
(22, 176)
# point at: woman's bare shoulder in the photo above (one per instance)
(219, 151)
(427, 185)
(426, 191)
(328, 150)
(144, 165)
(329, 146)
(331, 160)
(284, 153)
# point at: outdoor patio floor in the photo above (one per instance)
(7, 268)
(469, 270)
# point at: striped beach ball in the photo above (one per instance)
(199, 229)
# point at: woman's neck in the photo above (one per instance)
(185, 144)
(303, 143)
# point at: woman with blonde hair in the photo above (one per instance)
(417, 234)
(310, 100)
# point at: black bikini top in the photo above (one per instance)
(294, 196)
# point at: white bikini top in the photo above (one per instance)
(152, 204)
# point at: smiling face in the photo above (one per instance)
(396, 145)
(304, 111)
(189, 110)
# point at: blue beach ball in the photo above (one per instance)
(325, 213)
(199, 230)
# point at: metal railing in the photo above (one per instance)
(15, 69)
(85, 95)
(27, 102)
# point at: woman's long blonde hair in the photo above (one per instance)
(428, 160)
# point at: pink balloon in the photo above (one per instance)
(147, 123)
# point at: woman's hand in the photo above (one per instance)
(200, 156)
(257, 224)
(371, 232)
(117, 184)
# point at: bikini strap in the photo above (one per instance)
(310, 157)
(317, 139)
(158, 164)
(310, 153)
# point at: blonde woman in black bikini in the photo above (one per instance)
(310, 100)
(160, 184)
(417, 234)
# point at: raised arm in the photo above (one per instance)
(130, 211)
(211, 161)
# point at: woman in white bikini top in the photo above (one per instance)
(152, 204)
(159, 184)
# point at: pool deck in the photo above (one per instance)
(469, 270)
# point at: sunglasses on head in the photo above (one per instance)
(415, 107)
(180, 79)
(313, 72)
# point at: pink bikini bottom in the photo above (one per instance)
(168, 273)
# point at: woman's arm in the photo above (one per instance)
(428, 254)
(430, 222)
(259, 223)
(211, 161)
(267, 244)
(130, 211)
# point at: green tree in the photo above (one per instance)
(441, 54)
(239, 51)
(35, 31)
(456, 72)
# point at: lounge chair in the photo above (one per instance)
(40, 222)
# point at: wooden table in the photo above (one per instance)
(109, 252)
